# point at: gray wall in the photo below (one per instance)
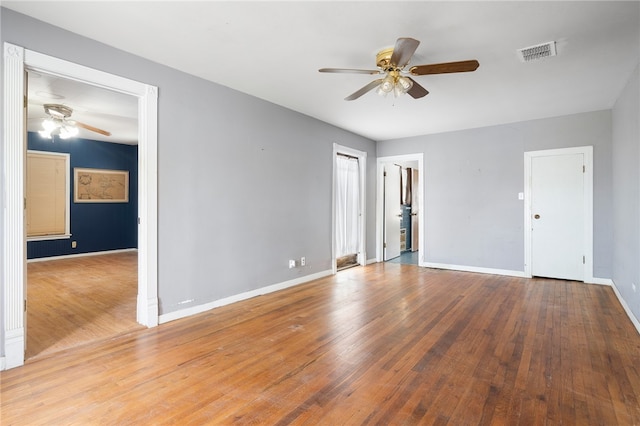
(626, 194)
(472, 178)
(244, 185)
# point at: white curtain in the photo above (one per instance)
(347, 205)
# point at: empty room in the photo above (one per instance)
(320, 212)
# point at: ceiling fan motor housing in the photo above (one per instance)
(383, 58)
(58, 110)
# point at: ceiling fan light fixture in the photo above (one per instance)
(67, 132)
(48, 125)
(387, 84)
(45, 134)
(405, 84)
(51, 127)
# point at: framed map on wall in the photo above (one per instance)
(101, 186)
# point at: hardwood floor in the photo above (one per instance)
(76, 301)
(382, 344)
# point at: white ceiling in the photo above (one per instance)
(114, 112)
(273, 50)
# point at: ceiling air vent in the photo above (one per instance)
(536, 52)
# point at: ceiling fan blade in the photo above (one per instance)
(403, 51)
(91, 128)
(349, 71)
(446, 67)
(417, 91)
(365, 89)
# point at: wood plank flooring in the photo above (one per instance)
(385, 344)
(75, 301)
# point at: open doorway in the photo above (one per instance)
(399, 231)
(81, 281)
(349, 179)
(16, 61)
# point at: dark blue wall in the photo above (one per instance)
(94, 226)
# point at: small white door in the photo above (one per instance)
(557, 216)
(392, 211)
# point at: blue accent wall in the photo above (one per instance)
(94, 226)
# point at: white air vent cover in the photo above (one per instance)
(537, 52)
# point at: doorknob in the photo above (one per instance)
(536, 216)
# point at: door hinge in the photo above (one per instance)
(25, 305)
(584, 260)
(138, 221)
(384, 245)
(26, 103)
(384, 174)
(584, 168)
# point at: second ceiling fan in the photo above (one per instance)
(392, 62)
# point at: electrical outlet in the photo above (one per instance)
(303, 261)
(74, 244)
(292, 263)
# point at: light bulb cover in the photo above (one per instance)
(45, 133)
(48, 125)
(405, 83)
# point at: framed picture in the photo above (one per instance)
(100, 186)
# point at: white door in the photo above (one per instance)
(414, 210)
(392, 211)
(557, 216)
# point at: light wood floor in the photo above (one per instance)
(71, 302)
(384, 344)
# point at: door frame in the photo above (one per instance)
(362, 167)
(16, 61)
(381, 161)
(587, 152)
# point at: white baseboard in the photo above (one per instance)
(3, 364)
(371, 261)
(626, 307)
(183, 313)
(477, 269)
(69, 256)
(13, 348)
(601, 281)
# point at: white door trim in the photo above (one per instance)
(16, 61)
(362, 167)
(381, 161)
(587, 151)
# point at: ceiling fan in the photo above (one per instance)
(59, 123)
(392, 62)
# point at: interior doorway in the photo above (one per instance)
(81, 286)
(349, 189)
(16, 61)
(400, 234)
